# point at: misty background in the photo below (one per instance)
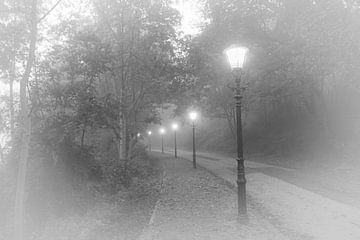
(80, 79)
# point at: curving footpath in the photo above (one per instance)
(196, 204)
(297, 212)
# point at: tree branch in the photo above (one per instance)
(48, 12)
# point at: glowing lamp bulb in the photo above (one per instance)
(162, 131)
(193, 115)
(236, 56)
(175, 126)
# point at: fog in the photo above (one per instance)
(271, 154)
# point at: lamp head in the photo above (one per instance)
(175, 126)
(193, 115)
(236, 56)
(149, 132)
(162, 131)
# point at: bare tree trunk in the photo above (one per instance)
(21, 179)
(125, 148)
(25, 130)
(230, 121)
(11, 83)
(83, 135)
(122, 152)
(125, 139)
(119, 138)
(1, 154)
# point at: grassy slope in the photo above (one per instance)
(63, 202)
(121, 216)
(295, 144)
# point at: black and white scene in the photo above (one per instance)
(179, 119)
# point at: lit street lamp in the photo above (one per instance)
(193, 116)
(175, 126)
(149, 134)
(162, 132)
(236, 56)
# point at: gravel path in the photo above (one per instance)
(195, 204)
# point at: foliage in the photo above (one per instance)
(95, 81)
(301, 60)
(82, 76)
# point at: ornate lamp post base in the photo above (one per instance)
(241, 184)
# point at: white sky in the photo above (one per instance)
(4, 88)
(191, 15)
(189, 9)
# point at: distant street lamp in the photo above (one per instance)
(236, 56)
(162, 132)
(175, 126)
(149, 134)
(193, 116)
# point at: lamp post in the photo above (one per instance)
(236, 56)
(162, 132)
(175, 126)
(149, 134)
(193, 117)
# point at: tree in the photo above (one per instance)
(109, 73)
(25, 118)
(25, 126)
(13, 43)
(143, 41)
(300, 53)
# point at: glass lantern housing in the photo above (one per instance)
(193, 115)
(236, 56)
(175, 126)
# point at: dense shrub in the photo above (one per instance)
(117, 175)
(65, 179)
(7, 193)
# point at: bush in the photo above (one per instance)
(7, 193)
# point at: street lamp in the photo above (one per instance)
(162, 132)
(193, 116)
(149, 134)
(175, 126)
(236, 56)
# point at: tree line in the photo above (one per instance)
(108, 69)
(89, 66)
(302, 69)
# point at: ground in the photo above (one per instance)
(196, 204)
(295, 209)
(122, 216)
